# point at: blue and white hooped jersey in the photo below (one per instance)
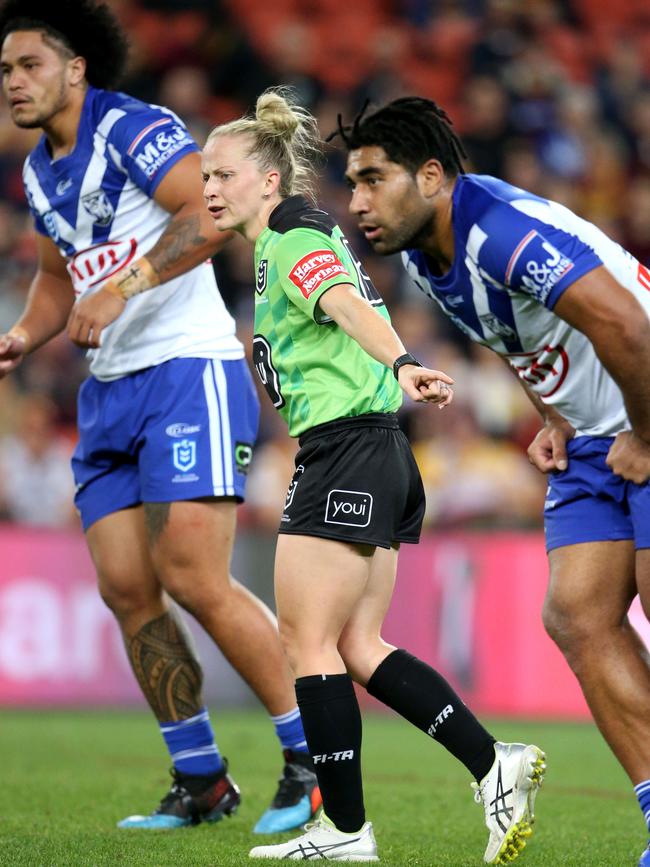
(97, 206)
(514, 256)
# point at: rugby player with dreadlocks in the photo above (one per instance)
(567, 308)
(168, 416)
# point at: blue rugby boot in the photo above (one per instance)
(297, 799)
(191, 800)
(644, 861)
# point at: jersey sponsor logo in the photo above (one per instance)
(181, 429)
(97, 264)
(544, 370)
(184, 455)
(537, 266)
(521, 246)
(453, 300)
(51, 225)
(496, 326)
(243, 457)
(163, 121)
(154, 154)
(438, 721)
(99, 206)
(262, 272)
(312, 270)
(62, 186)
(351, 508)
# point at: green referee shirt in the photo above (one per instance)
(311, 369)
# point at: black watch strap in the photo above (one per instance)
(407, 358)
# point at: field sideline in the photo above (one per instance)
(69, 776)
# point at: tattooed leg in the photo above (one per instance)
(156, 516)
(165, 665)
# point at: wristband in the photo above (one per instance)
(407, 358)
(139, 277)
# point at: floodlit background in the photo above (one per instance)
(551, 95)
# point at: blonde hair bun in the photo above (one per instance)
(278, 115)
(281, 135)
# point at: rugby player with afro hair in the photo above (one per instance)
(76, 28)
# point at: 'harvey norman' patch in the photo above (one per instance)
(314, 268)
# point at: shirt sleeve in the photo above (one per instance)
(149, 140)
(308, 264)
(526, 255)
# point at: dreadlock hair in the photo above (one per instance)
(283, 136)
(411, 130)
(80, 28)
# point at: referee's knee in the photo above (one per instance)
(359, 653)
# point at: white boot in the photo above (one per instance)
(508, 793)
(323, 840)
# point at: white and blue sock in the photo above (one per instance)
(643, 794)
(288, 727)
(191, 745)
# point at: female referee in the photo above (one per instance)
(332, 365)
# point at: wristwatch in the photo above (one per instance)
(407, 358)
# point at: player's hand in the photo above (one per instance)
(12, 352)
(426, 386)
(547, 452)
(91, 314)
(629, 457)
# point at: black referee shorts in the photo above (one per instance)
(356, 480)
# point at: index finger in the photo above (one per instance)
(438, 376)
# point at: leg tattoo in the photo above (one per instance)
(155, 519)
(166, 667)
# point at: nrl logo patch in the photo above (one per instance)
(98, 205)
(262, 270)
(184, 455)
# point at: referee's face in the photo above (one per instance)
(236, 190)
(394, 211)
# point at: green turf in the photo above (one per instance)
(68, 777)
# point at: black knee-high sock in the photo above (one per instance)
(423, 697)
(332, 723)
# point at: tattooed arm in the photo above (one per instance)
(189, 239)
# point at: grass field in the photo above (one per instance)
(69, 776)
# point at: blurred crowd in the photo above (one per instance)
(551, 95)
